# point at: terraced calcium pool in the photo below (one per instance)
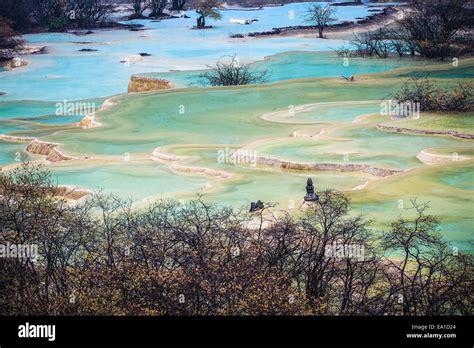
(448, 188)
(293, 65)
(191, 135)
(183, 142)
(350, 145)
(144, 180)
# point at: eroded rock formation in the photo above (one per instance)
(47, 149)
(147, 84)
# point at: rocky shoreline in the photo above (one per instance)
(455, 134)
(380, 18)
(17, 62)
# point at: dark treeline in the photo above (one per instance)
(103, 257)
(27, 15)
(10, 41)
(430, 29)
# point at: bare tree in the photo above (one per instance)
(373, 43)
(321, 16)
(432, 27)
(51, 13)
(207, 9)
(231, 73)
(139, 6)
(178, 5)
(420, 279)
(88, 13)
(157, 7)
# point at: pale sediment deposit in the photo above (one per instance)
(158, 155)
(89, 122)
(300, 134)
(199, 170)
(360, 187)
(431, 158)
(107, 104)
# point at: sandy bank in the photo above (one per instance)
(301, 134)
(157, 154)
(13, 139)
(430, 158)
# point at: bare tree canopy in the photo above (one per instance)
(432, 26)
(178, 5)
(157, 7)
(200, 258)
(321, 16)
(230, 72)
(88, 13)
(139, 6)
(429, 29)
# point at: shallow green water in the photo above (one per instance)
(447, 190)
(465, 73)
(13, 153)
(134, 180)
(293, 65)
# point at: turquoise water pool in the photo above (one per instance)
(66, 73)
(294, 65)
